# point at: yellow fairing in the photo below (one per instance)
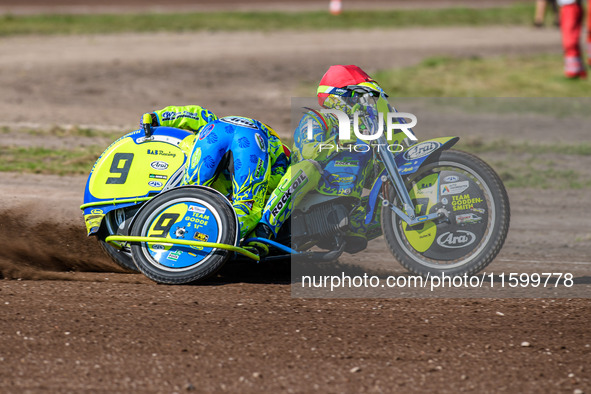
(129, 170)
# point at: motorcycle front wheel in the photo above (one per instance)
(474, 217)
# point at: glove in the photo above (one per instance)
(148, 120)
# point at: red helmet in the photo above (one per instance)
(346, 81)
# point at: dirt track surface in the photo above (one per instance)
(110, 80)
(75, 324)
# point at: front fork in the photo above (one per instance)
(408, 215)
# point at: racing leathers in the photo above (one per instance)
(258, 163)
(259, 159)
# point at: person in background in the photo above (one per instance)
(540, 13)
(571, 22)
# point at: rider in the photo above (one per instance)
(259, 159)
(340, 88)
(189, 117)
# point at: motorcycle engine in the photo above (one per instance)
(322, 222)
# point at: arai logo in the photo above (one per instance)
(155, 184)
(421, 150)
(456, 239)
(159, 165)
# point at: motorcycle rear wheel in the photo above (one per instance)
(122, 257)
(476, 223)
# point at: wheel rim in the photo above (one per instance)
(191, 213)
(459, 243)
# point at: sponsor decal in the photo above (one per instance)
(444, 201)
(159, 165)
(451, 178)
(97, 211)
(421, 150)
(160, 152)
(157, 176)
(428, 234)
(478, 210)
(260, 141)
(239, 121)
(174, 255)
(195, 208)
(260, 170)
(157, 247)
(456, 239)
(301, 180)
(344, 163)
(464, 202)
(205, 131)
(200, 236)
(155, 184)
(468, 218)
(454, 188)
(197, 219)
(341, 179)
(403, 170)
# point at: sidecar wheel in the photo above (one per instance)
(187, 213)
(472, 231)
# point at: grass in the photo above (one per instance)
(518, 14)
(478, 146)
(533, 165)
(540, 175)
(49, 161)
(521, 76)
(57, 131)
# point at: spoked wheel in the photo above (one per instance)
(111, 223)
(475, 217)
(189, 213)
